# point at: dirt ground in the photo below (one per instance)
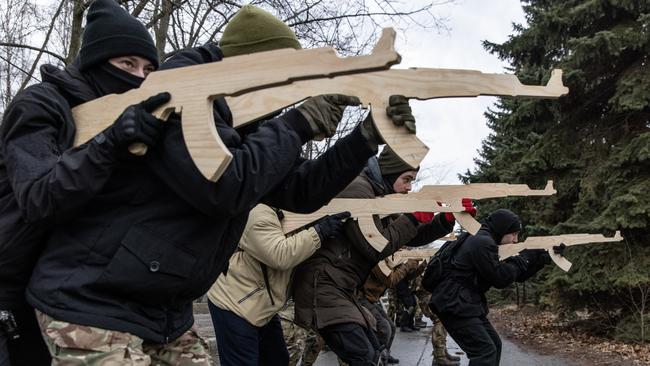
(542, 332)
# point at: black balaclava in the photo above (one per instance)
(108, 79)
(112, 32)
(502, 222)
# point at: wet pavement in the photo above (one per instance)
(415, 349)
(412, 349)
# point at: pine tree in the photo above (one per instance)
(594, 143)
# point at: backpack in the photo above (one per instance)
(439, 265)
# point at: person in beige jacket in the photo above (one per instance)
(244, 302)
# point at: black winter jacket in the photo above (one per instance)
(475, 269)
(41, 178)
(153, 235)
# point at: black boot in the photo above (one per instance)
(452, 357)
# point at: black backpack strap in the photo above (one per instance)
(265, 274)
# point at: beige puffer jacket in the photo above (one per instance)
(242, 290)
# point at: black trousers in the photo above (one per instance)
(243, 344)
(476, 337)
(29, 349)
(385, 326)
(353, 343)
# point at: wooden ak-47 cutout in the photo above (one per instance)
(194, 88)
(255, 89)
(448, 194)
(375, 88)
(547, 243)
(401, 256)
(426, 200)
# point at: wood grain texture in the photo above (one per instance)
(194, 88)
(425, 200)
(547, 243)
(375, 88)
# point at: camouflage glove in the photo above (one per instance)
(324, 112)
(411, 265)
(400, 112)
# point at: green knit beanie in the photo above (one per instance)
(255, 30)
(390, 163)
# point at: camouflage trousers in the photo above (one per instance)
(79, 345)
(301, 343)
(438, 333)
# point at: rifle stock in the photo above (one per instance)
(547, 243)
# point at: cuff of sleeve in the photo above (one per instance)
(369, 148)
(315, 237)
(413, 219)
(102, 148)
(299, 124)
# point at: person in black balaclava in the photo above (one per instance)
(124, 244)
(459, 299)
(38, 165)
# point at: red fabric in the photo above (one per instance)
(469, 206)
(423, 217)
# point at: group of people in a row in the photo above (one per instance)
(102, 252)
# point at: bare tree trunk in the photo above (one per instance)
(75, 32)
(166, 8)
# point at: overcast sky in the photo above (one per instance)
(454, 128)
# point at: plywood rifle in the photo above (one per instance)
(426, 200)
(548, 242)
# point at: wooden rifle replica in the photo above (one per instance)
(548, 242)
(401, 256)
(425, 200)
(255, 89)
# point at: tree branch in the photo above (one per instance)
(47, 38)
(19, 45)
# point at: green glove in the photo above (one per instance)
(324, 112)
(400, 112)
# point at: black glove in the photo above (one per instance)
(330, 226)
(559, 249)
(520, 262)
(534, 255)
(137, 124)
(400, 112)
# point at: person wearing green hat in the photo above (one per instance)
(135, 239)
(326, 285)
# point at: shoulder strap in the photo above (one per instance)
(265, 273)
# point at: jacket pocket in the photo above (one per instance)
(148, 268)
(469, 296)
(250, 294)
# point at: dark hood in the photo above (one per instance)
(375, 178)
(500, 223)
(71, 83)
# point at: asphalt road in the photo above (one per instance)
(414, 349)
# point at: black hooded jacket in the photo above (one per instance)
(476, 268)
(41, 179)
(138, 238)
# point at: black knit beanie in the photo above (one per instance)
(502, 222)
(112, 32)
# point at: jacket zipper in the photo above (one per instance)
(250, 294)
